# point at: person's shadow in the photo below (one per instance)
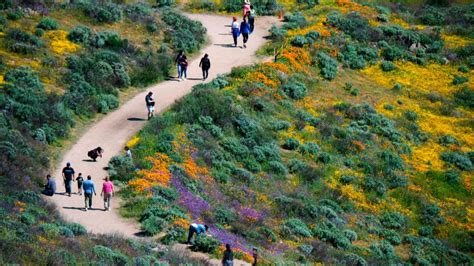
(135, 119)
(88, 160)
(82, 208)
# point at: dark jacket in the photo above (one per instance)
(228, 255)
(245, 27)
(205, 63)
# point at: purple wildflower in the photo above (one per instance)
(194, 204)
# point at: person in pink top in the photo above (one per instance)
(107, 192)
(246, 7)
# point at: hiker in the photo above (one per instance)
(228, 259)
(50, 187)
(246, 7)
(97, 152)
(196, 228)
(89, 188)
(255, 257)
(183, 62)
(205, 64)
(176, 60)
(79, 180)
(128, 152)
(235, 30)
(251, 18)
(107, 192)
(68, 177)
(245, 30)
(150, 104)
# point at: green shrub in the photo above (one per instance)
(21, 42)
(277, 34)
(50, 230)
(431, 215)
(312, 35)
(388, 66)
(333, 236)
(277, 168)
(15, 14)
(353, 259)
(173, 234)
(205, 244)
(295, 90)
(153, 225)
(39, 32)
(383, 250)
(463, 69)
(465, 97)
(392, 53)
(61, 257)
(48, 24)
(137, 11)
(299, 41)
(107, 255)
(295, 228)
(459, 159)
(324, 157)
(291, 144)
(80, 34)
(183, 33)
(460, 80)
(27, 218)
(294, 21)
(103, 13)
(432, 16)
(107, 102)
(346, 179)
(107, 39)
(121, 168)
(382, 18)
(447, 140)
(77, 229)
(327, 65)
(393, 220)
(224, 216)
(295, 165)
(309, 148)
(391, 236)
(351, 235)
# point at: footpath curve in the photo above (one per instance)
(114, 130)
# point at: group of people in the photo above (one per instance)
(84, 186)
(247, 25)
(182, 64)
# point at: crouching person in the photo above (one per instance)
(196, 229)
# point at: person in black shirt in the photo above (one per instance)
(205, 64)
(176, 60)
(228, 259)
(68, 176)
(150, 104)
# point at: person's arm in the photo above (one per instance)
(93, 189)
(102, 191)
(113, 188)
(200, 63)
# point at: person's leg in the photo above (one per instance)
(235, 39)
(203, 73)
(90, 200)
(179, 71)
(207, 73)
(109, 201)
(190, 234)
(86, 196)
(185, 72)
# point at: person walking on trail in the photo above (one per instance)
(50, 187)
(228, 259)
(235, 30)
(150, 104)
(251, 18)
(89, 188)
(205, 65)
(183, 62)
(97, 152)
(128, 152)
(196, 229)
(176, 60)
(68, 177)
(246, 7)
(79, 180)
(245, 30)
(107, 193)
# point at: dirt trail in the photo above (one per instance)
(114, 130)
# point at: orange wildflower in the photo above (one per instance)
(159, 174)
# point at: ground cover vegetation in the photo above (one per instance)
(60, 63)
(355, 147)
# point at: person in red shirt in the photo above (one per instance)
(107, 192)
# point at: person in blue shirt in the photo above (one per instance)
(89, 188)
(245, 30)
(198, 229)
(50, 187)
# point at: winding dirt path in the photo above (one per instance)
(114, 130)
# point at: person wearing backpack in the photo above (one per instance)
(205, 65)
(245, 30)
(235, 30)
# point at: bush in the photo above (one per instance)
(291, 144)
(331, 235)
(107, 255)
(183, 33)
(388, 66)
(277, 34)
(295, 228)
(295, 21)
(21, 42)
(205, 244)
(121, 168)
(224, 216)
(299, 41)
(460, 80)
(165, 3)
(324, 157)
(465, 97)
(15, 14)
(153, 225)
(104, 13)
(137, 11)
(431, 215)
(278, 168)
(353, 259)
(76, 229)
(383, 250)
(463, 69)
(346, 179)
(39, 32)
(80, 34)
(327, 65)
(351, 235)
(295, 90)
(459, 159)
(107, 39)
(50, 230)
(173, 234)
(309, 148)
(61, 257)
(48, 24)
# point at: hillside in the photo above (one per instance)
(60, 65)
(355, 147)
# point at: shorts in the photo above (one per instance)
(151, 108)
